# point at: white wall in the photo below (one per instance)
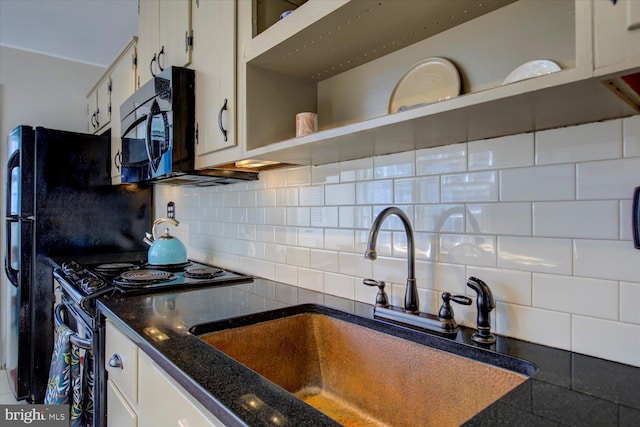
(39, 90)
(544, 218)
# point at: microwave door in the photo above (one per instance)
(157, 138)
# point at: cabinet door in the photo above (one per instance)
(119, 413)
(214, 57)
(123, 84)
(148, 38)
(104, 104)
(92, 106)
(174, 32)
(616, 35)
(121, 361)
(156, 386)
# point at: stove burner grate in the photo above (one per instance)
(203, 273)
(116, 268)
(145, 277)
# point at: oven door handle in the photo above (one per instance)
(74, 338)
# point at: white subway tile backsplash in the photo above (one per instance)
(499, 218)
(355, 265)
(275, 253)
(626, 222)
(611, 260)
(535, 254)
(442, 218)
(505, 152)
(299, 257)
(356, 170)
(340, 194)
(629, 302)
(287, 196)
(286, 274)
(275, 216)
(631, 136)
(363, 217)
(551, 237)
(448, 278)
(546, 327)
(578, 219)
(593, 141)
(540, 183)
(467, 249)
(417, 190)
(300, 217)
(338, 239)
(439, 160)
(392, 270)
(340, 285)
(615, 340)
(325, 174)
(311, 237)
(324, 260)
(298, 176)
(577, 295)
(324, 216)
(612, 179)
(394, 165)
(311, 196)
(311, 279)
(470, 187)
(374, 192)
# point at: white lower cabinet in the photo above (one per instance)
(141, 394)
(119, 412)
(163, 402)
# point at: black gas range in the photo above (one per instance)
(84, 282)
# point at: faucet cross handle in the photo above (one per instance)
(382, 300)
(446, 311)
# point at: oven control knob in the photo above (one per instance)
(70, 267)
(91, 284)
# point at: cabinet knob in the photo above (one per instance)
(116, 361)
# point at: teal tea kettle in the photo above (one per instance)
(165, 249)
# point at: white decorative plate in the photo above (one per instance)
(430, 80)
(532, 69)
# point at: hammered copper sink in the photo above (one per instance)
(361, 376)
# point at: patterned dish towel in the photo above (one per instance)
(65, 384)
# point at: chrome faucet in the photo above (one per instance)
(411, 301)
(410, 315)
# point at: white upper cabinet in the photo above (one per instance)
(99, 106)
(165, 35)
(616, 27)
(343, 58)
(214, 61)
(123, 84)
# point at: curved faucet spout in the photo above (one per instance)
(411, 302)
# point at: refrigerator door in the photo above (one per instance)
(18, 325)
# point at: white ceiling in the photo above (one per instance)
(88, 31)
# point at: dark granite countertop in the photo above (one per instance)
(568, 388)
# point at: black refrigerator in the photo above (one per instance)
(59, 202)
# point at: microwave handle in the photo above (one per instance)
(134, 125)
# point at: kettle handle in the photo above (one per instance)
(160, 221)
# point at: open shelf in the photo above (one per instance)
(343, 58)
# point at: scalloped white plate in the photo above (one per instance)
(532, 69)
(430, 80)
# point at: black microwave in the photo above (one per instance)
(157, 125)
(158, 134)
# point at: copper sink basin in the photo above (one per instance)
(357, 375)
